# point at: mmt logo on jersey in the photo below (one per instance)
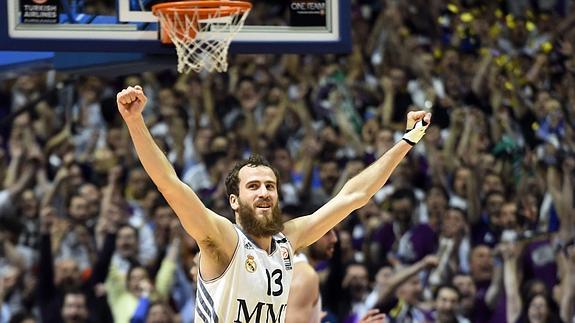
(262, 312)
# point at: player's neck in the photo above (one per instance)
(264, 243)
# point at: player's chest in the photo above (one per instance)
(268, 275)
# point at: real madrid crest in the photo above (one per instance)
(251, 264)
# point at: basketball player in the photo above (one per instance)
(246, 269)
(304, 302)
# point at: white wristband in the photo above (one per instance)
(413, 136)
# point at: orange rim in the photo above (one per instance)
(202, 8)
(198, 10)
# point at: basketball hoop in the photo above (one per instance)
(201, 31)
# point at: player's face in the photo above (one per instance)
(257, 205)
(324, 247)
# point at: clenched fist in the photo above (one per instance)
(131, 102)
(417, 123)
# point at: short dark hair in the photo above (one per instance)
(492, 193)
(446, 286)
(403, 193)
(459, 273)
(255, 160)
(458, 209)
(74, 291)
(131, 227)
(441, 190)
(134, 264)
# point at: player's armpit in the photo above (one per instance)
(208, 228)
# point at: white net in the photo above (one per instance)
(202, 39)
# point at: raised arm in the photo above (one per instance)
(403, 275)
(358, 190)
(511, 282)
(567, 306)
(205, 226)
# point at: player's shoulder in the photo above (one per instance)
(305, 272)
(305, 279)
(282, 240)
(280, 237)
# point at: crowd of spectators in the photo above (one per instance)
(477, 224)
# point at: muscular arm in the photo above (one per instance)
(303, 295)
(355, 193)
(205, 226)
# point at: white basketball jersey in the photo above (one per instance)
(253, 289)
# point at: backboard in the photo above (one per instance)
(273, 26)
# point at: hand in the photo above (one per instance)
(413, 117)
(373, 316)
(175, 228)
(509, 251)
(100, 290)
(568, 165)
(62, 174)
(386, 84)
(47, 216)
(35, 153)
(16, 148)
(114, 174)
(417, 123)
(131, 102)
(430, 261)
(68, 159)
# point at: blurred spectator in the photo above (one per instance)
(446, 305)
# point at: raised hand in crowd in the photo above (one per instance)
(373, 316)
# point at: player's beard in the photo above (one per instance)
(263, 226)
(321, 253)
